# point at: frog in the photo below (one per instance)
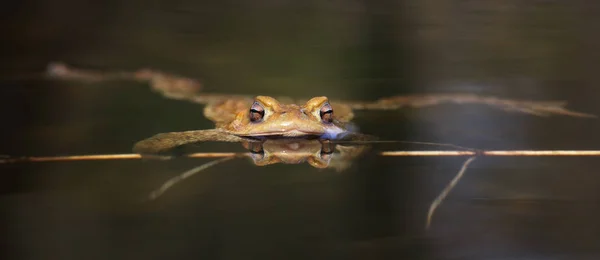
(272, 132)
(262, 118)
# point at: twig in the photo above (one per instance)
(168, 184)
(440, 198)
(495, 153)
(133, 156)
(102, 157)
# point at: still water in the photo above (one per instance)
(528, 208)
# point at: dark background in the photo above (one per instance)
(505, 208)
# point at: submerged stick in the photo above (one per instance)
(168, 184)
(440, 198)
(439, 153)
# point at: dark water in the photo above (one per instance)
(505, 208)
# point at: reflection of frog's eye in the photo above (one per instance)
(327, 147)
(326, 156)
(326, 113)
(256, 148)
(256, 151)
(257, 112)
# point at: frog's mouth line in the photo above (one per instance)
(328, 134)
(292, 133)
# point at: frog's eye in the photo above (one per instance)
(257, 112)
(326, 113)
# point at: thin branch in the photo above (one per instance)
(440, 198)
(103, 157)
(495, 153)
(133, 156)
(168, 184)
(537, 108)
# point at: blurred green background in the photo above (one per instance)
(530, 208)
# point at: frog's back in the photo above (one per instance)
(222, 112)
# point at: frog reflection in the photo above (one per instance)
(316, 152)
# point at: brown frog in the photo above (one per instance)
(263, 118)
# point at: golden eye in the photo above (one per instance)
(257, 112)
(326, 113)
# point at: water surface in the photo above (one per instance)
(533, 208)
